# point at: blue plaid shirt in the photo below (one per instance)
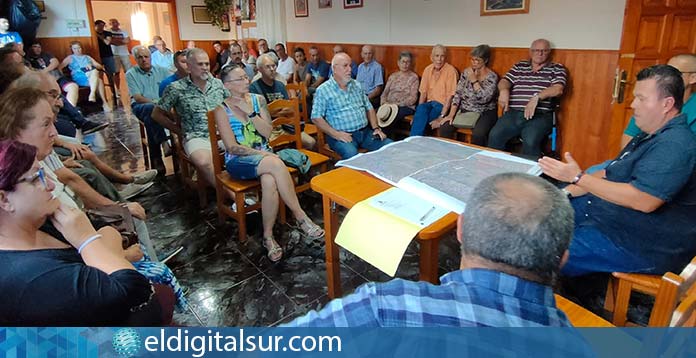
(473, 297)
(344, 110)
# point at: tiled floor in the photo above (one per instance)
(233, 284)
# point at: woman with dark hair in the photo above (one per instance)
(475, 101)
(47, 282)
(245, 124)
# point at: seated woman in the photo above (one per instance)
(83, 69)
(401, 89)
(245, 124)
(46, 282)
(477, 92)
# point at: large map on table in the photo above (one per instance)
(440, 171)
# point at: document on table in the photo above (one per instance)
(379, 229)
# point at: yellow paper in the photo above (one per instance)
(376, 236)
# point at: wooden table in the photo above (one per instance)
(579, 316)
(346, 187)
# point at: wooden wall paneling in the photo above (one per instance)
(683, 38)
(60, 46)
(650, 31)
(585, 123)
(686, 3)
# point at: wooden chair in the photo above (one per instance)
(186, 168)
(675, 296)
(302, 94)
(143, 144)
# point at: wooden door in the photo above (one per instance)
(653, 31)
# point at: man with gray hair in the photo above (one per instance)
(514, 238)
(143, 85)
(236, 58)
(438, 83)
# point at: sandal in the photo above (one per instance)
(311, 229)
(275, 252)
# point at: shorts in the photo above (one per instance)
(243, 167)
(80, 78)
(195, 144)
(109, 64)
(122, 61)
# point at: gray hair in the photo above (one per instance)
(333, 60)
(439, 46)
(30, 79)
(481, 51)
(518, 220)
(266, 56)
(134, 50)
(192, 53)
(406, 54)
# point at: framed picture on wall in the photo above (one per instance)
(200, 15)
(504, 7)
(324, 4)
(349, 4)
(301, 8)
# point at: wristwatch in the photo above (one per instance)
(253, 114)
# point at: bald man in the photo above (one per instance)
(371, 75)
(343, 112)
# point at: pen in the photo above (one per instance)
(427, 213)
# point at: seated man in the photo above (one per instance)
(143, 85)
(286, 64)
(272, 89)
(45, 62)
(686, 64)
(181, 71)
(528, 111)
(639, 217)
(438, 83)
(317, 71)
(514, 238)
(236, 57)
(192, 97)
(162, 57)
(371, 75)
(353, 66)
(342, 111)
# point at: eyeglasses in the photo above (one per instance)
(245, 78)
(54, 95)
(540, 50)
(40, 175)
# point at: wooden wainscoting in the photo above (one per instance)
(207, 46)
(585, 115)
(60, 46)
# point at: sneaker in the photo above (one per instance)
(145, 177)
(247, 202)
(132, 190)
(90, 127)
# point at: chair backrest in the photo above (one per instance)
(301, 91)
(675, 299)
(293, 120)
(218, 156)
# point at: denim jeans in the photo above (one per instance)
(155, 132)
(425, 113)
(362, 138)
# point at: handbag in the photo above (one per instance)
(118, 217)
(466, 119)
(296, 159)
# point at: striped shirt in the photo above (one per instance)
(526, 83)
(344, 110)
(465, 298)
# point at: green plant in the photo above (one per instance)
(217, 8)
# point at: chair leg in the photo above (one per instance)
(241, 216)
(623, 295)
(610, 297)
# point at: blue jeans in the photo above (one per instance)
(591, 251)
(425, 113)
(362, 138)
(155, 132)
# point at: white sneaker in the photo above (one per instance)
(145, 177)
(247, 202)
(132, 190)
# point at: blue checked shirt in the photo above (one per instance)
(344, 110)
(370, 76)
(465, 298)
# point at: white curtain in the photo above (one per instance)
(270, 21)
